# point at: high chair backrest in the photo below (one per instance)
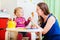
(3, 22)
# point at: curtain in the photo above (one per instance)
(54, 7)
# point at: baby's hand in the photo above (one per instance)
(30, 18)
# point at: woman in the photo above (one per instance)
(49, 23)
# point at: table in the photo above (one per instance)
(25, 30)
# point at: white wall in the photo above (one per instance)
(9, 5)
(0, 4)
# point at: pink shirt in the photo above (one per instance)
(21, 22)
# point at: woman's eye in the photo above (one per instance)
(37, 9)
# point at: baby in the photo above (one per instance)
(21, 22)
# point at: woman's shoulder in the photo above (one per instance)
(52, 19)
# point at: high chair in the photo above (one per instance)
(25, 38)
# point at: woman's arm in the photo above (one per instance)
(48, 26)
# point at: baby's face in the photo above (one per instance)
(19, 13)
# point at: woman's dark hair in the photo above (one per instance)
(40, 20)
(44, 8)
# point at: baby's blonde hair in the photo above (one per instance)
(17, 9)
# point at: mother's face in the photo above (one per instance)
(39, 11)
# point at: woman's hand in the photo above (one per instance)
(37, 33)
(36, 25)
